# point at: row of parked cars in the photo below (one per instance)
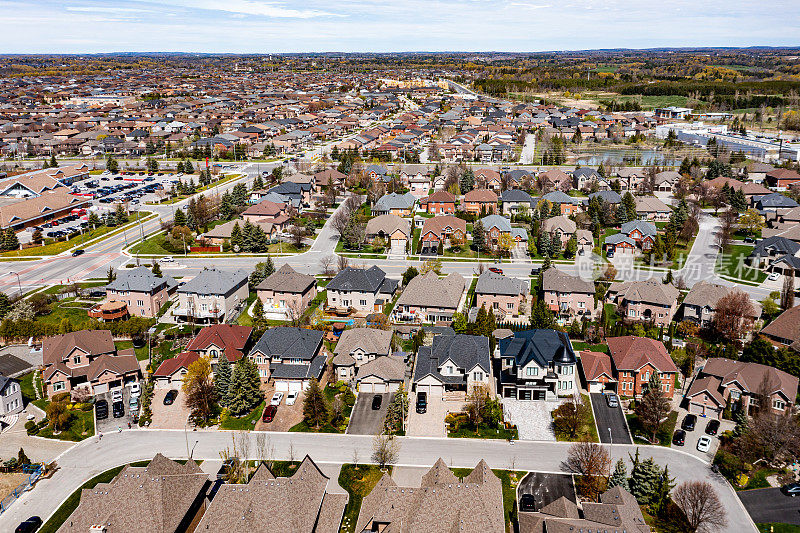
(689, 423)
(118, 403)
(272, 409)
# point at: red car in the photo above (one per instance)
(269, 413)
(496, 270)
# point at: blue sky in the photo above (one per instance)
(247, 26)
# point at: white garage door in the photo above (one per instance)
(398, 247)
(101, 388)
(432, 390)
(295, 386)
(282, 386)
(696, 409)
(379, 387)
(365, 387)
(595, 387)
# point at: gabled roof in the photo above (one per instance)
(644, 227)
(649, 291)
(465, 351)
(141, 279)
(429, 290)
(213, 281)
(492, 283)
(231, 339)
(371, 280)
(596, 364)
(632, 353)
(540, 345)
(555, 280)
(752, 376)
(287, 279)
(289, 342)
(370, 340)
(93, 342)
(168, 367)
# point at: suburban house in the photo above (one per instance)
(265, 211)
(567, 204)
(442, 229)
(700, 303)
(439, 203)
(430, 299)
(724, 382)
(363, 290)
(506, 296)
(514, 201)
(392, 229)
(635, 359)
(650, 300)
(171, 372)
(478, 201)
(452, 363)
(291, 357)
(401, 205)
(785, 330)
(584, 177)
(442, 503)
(585, 241)
(559, 227)
(597, 372)
(666, 181)
(357, 347)
(86, 359)
(618, 511)
(287, 292)
(497, 225)
(537, 364)
(555, 179)
(653, 209)
(328, 177)
(630, 179)
(773, 202)
(782, 178)
(384, 374)
(642, 232)
(142, 291)
(770, 249)
(220, 340)
(487, 178)
(212, 296)
(265, 504)
(10, 396)
(163, 496)
(568, 297)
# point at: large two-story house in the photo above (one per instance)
(212, 296)
(430, 299)
(87, 360)
(364, 290)
(142, 291)
(700, 304)
(505, 295)
(567, 296)
(289, 356)
(635, 359)
(537, 364)
(647, 301)
(357, 347)
(452, 363)
(221, 340)
(286, 292)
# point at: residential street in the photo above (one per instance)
(91, 457)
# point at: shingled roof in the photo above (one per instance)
(429, 290)
(632, 353)
(286, 279)
(492, 283)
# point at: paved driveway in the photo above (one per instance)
(532, 418)
(606, 417)
(114, 424)
(690, 444)
(367, 421)
(547, 488)
(168, 416)
(431, 423)
(771, 505)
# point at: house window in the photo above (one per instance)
(581, 304)
(58, 385)
(647, 376)
(213, 353)
(477, 376)
(76, 359)
(363, 302)
(531, 371)
(510, 305)
(140, 303)
(778, 404)
(735, 394)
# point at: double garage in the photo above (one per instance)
(430, 385)
(374, 384)
(290, 385)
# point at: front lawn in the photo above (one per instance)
(778, 528)
(460, 427)
(358, 481)
(341, 390)
(732, 264)
(588, 430)
(68, 308)
(245, 423)
(664, 435)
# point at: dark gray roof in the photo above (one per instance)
(611, 197)
(466, 351)
(645, 228)
(4, 381)
(515, 195)
(491, 283)
(287, 371)
(363, 280)
(140, 279)
(774, 200)
(540, 345)
(774, 245)
(213, 281)
(289, 342)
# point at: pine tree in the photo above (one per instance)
(180, 218)
(644, 481)
(478, 236)
(5, 304)
(480, 320)
(10, 240)
(544, 244)
(244, 391)
(157, 269)
(120, 215)
(236, 237)
(222, 379)
(619, 477)
(630, 205)
(226, 207)
(661, 497)
(258, 315)
(188, 168)
(179, 167)
(315, 407)
(54, 163)
(555, 210)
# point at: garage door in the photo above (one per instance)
(282, 386)
(379, 387)
(431, 390)
(101, 388)
(697, 409)
(295, 386)
(398, 246)
(595, 387)
(365, 387)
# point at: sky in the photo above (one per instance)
(257, 26)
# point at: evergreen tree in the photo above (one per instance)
(555, 246)
(571, 248)
(226, 207)
(157, 269)
(258, 183)
(180, 218)
(555, 210)
(645, 479)
(5, 304)
(541, 316)
(459, 322)
(188, 168)
(661, 497)
(179, 167)
(480, 321)
(620, 476)
(222, 379)
(236, 237)
(630, 205)
(239, 195)
(258, 315)
(478, 236)
(467, 181)
(544, 244)
(37, 236)
(315, 407)
(54, 163)
(120, 215)
(244, 391)
(10, 240)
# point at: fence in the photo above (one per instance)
(34, 472)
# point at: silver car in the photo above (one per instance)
(612, 401)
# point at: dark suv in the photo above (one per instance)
(101, 409)
(422, 402)
(689, 422)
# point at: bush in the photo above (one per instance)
(30, 427)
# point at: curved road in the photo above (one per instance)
(90, 457)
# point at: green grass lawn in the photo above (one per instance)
(245, 423)
(664, 434)
(358, 481)
(778, 528)
(461, 428)
(732, 264)
(330, 393)
(66, 308)
(56, 289)
(81, 427)
(581, 346)
(141, 353)
(466, 251)
(154, 245)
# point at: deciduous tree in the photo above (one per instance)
(199, 390)
(592, 462)
(700, 503)
(570, 418)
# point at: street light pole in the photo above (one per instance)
(610, 438)
(19, 284)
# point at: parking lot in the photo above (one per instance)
(113, 424)
(612, 419)
(364, 420)
(547, 488)
(771, 506)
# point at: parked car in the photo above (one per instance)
(134, 404)
(704, 444)
(527, 503)
(167, 259)
(135, 388)
(773, 276)
(422, 402)
(118, 409)
(269, 413)
(792, 489)
(496, 270)
(116, 395)
(169, 398)
(610, 253)
(30, 525)
(749, 239)
(277, 398)
(689, 422)
(535, 271)
(612, 401)
(291, 398)
(377, 400)
(679, 438)
(712, 427)
(101, 409)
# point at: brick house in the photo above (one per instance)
(597, 372)
(506, 296)
(647, 301)
(568, 296)
(142, 291)
(441, 229)
(439, 203)
(479, 201)
(635, 359)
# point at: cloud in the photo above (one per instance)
(526, 5)
(103, 9)
(250, 7)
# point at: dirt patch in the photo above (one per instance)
(9, 482)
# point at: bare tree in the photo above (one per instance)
(339, 220)
(243, 447)
(699, 502)
(327, 266)
(477, 401)
(592, 462)
(733, 316)
(385, 450)
(787, 292)
(342, 263)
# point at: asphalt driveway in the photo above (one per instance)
(364, 420)
(11, 365)
(771, 505)
(606, 417)
(547, 488)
